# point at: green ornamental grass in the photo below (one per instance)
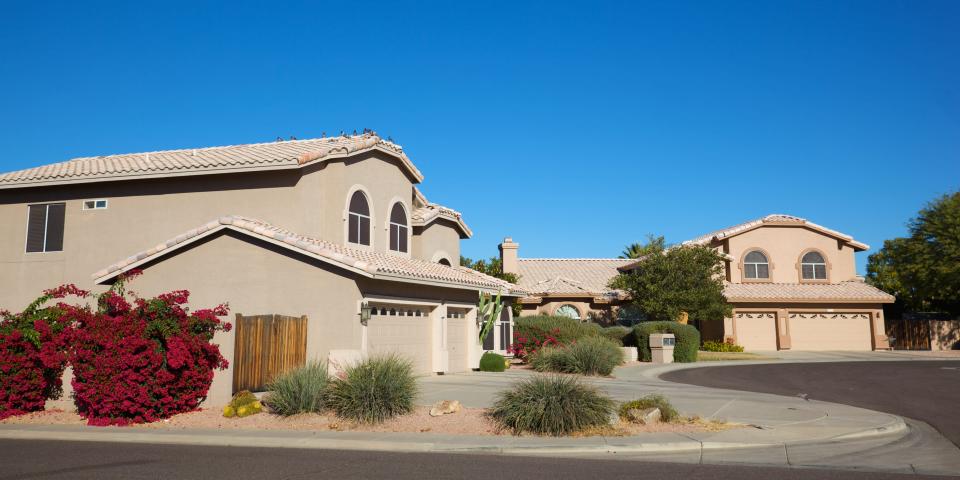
(301, 390)
(551, 405)
(667, 412)
(587, 356)
(374, 390)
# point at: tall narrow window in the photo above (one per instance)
(398, 228)
(358, 223)
(755, 266)
(45, 227)
(813, 266)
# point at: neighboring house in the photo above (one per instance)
(316, 228)
(792, 283)
(571, 287)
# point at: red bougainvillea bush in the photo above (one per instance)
(32, 353)
(142, 360)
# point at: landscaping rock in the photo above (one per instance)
(644, 416)
(445, 407)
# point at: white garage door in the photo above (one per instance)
(756, 331)
(457, 344)
(405, 335)
(830, 331)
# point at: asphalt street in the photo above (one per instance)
(29, 459)
(928, 391)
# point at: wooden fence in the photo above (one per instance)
(908, 334)
(267, 345)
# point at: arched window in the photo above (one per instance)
(756, 266)
(358, 223)
(398, 228)
(813, 266)
(444, 261)
(568, 311)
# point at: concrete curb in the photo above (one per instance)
(309, 440)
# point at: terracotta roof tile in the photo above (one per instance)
(853, 291)
(432, 212)
(375, 264)
(575, 276)
(192, 161)
(773, 219)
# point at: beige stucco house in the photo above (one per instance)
(792, 283)
(316, 228)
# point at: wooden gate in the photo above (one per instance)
(267, 345)
(909, 334)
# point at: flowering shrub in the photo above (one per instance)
(526, 345)
(32, 353)
(142, 360)
(531, 333)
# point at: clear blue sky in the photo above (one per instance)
(575, 128)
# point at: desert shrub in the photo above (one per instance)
(551, 405)
(534, 332)
(243, 404)
(145, 360)
(688, 339)
(492, 362)
(667, 412)
(301, 390)
(715, 346)
(621, 335)
(589, 356)
(374, 390)
(552, 359)
(33, 353)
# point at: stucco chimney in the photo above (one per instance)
(508, 256)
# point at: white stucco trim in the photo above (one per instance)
(346, 217)
(443, 254)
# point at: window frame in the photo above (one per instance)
(574, 307)
(46, 228)
(347, 214)
(390, 224)
(826, 267)
(743, 266)
(96, 201)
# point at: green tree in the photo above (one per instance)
(923, 269)
(654, 244)
(492, 267)
(682, 279)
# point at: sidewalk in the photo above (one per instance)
(785, 431)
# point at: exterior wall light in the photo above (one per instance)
(365, 310)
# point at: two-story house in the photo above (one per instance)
(318, 228)
(792, 284)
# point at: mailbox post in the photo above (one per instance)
(661, 347)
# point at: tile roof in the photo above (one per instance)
(369, 263)
(196, 161)
(852, 291)
(432, 212)
(572, 276)
(773, 219)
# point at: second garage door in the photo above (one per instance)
(756, 331)
(408, 336)
(457, 344)
(830, 331)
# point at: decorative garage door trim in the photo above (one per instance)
(823, 331)
(756, 330)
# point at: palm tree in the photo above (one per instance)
(636, 250)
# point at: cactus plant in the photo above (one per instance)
(488, 311)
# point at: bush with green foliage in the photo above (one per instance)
(688, 340)
(551, 405)
(492, 362)
(532, 333)
(301, 390)
(667, 412)
(715, 346)
(374, 390)
(588, 356)
(622, 335)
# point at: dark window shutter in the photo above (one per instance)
(36, 225)
(488, 341)
(55, 220)
(394, 234)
